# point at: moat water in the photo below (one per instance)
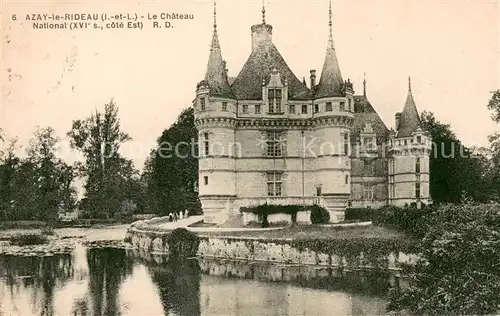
(114, 281)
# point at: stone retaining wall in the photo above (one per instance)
(261, 250)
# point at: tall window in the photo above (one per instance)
(349, 104)
(304, 108)
(202, 104)
(368, 192)
(274, 144)
(417, 165)
(368, 142)
(257, 109)
(346, 179)
(206, 144)
(419, 139)
(245, 108)
(417, 190)
(205, 179)
(342, 106)
(346, 143)
(392, 189)
(274, 184)
(224, 106)
(274, 97)
(318, 191)
(329, 107)
(291, 109)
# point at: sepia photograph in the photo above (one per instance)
(250, 157)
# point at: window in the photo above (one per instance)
(274, 184)
(406, 142)
(304, 108)
(417, 165)
(245, 108)
(368, 192)
(349, 104)
(257, 109)
(419, 139)
(392, 188)
(368, 142)
(202, 104)
(346, 179)
(342, 106)
(291, 109)
(274, 144)
(316, 108)
(318, 191)
(224, 106)
(274, 97)
(205, 180)
(206, 144)
(329, 107)
(417, 190)
(346, 143)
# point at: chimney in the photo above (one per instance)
(313, 77)
(261, 35)
(398, 120)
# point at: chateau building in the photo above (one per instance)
(268, 137)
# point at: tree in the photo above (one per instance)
(99, 138)
(494, 106)
(494, 140)
(52, 178)
(171, 170)
(458, 272)
(9, 165)
(455, 170)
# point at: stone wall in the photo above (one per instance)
(272, 251)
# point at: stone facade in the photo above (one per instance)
(267, 137)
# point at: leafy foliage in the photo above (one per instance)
(111, 179)
(319, 215)
(171, 171)
(455, 170)
(459, 269)
(28, 240)
(182, 244)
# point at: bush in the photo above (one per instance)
(410, 220)
(458, 272)
(182, 244)
(28, 240)
(319, 215)
(359, 214)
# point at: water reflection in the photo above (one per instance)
(112, 281)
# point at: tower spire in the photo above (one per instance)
(409, 84)
(263, 13)
(364, 84)
(215, 38)
(330, 31)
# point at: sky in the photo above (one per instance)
(451, 50)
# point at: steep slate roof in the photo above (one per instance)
(410, 119)
(330, 83)
(364, 112)
(248, 84)
(216, 75)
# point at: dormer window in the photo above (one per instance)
(316, 108)
(257, 109)
(329, 107)
(224, 106)
(274, 97)
(368, 142)
(291, 109)
(342, 106)
(304, 108)
(245, 108)
(202, 104)
(419, 139)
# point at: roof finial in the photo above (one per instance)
(364, 84)
(409, 84)
(215, 15)
(263, 13)
(330, 35)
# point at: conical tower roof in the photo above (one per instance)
(216, 75)
(331, 83)
(409, 121)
